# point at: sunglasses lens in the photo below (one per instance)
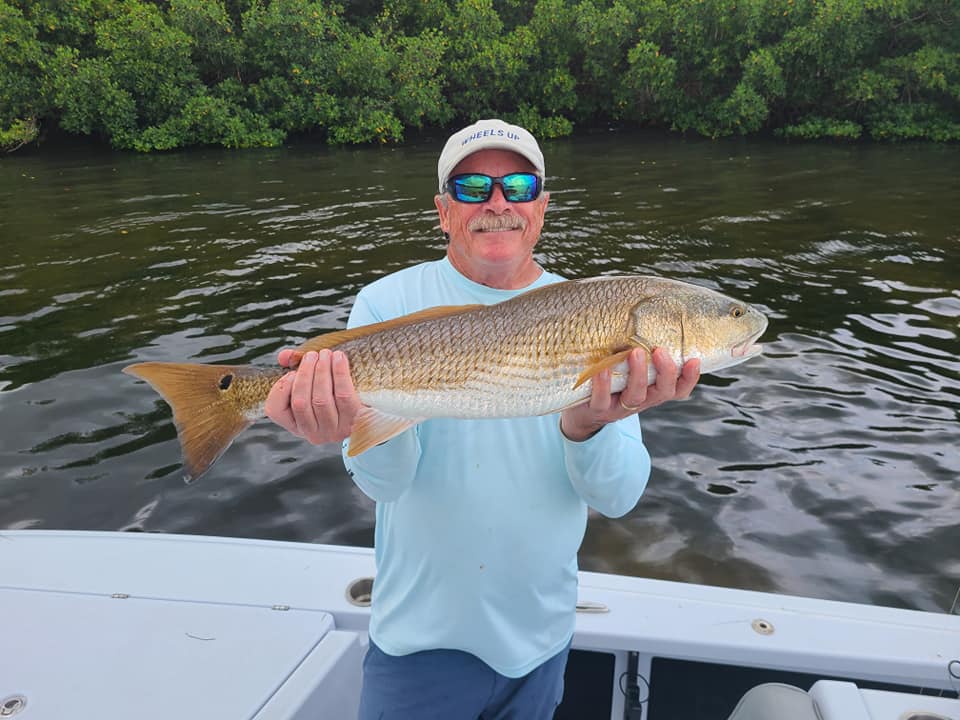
(472, 188)
(520, 187)
(477, 188)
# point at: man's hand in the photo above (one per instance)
(317, 401)
(580, 422)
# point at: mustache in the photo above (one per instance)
(491, 222)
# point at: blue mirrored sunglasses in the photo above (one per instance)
(477, 187)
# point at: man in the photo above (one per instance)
(478, 522)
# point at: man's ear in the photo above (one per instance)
(546, 200)
(443, 211)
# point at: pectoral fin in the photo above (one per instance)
(615, 359)
(373, 427)
(640, 342)
(606, 363)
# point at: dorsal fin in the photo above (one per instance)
(332, 339)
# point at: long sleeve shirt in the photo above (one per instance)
(478, 522)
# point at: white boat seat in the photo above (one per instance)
(775, 701)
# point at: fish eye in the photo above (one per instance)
(737, 311)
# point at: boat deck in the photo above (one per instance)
(145, 625)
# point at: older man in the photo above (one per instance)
(478, 522)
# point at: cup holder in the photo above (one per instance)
(360, 591)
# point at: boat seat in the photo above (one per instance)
(775, 701)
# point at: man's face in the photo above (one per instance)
(495, 232)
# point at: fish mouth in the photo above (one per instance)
(749, 348)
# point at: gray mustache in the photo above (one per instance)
(492, 223)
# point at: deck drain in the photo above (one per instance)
(764, 627)
(12, 705)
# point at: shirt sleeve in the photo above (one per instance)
(609, 470)
(386, 471)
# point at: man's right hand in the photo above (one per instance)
(317, 401)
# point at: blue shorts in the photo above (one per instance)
(455, 685)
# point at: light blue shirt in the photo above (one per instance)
(479, 521)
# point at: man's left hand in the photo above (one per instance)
(580, 422)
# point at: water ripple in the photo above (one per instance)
(828, 466)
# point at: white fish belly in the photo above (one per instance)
(509, 393)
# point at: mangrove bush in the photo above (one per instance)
(159, 74)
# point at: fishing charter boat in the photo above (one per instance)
(116, 626)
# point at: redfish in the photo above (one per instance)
(534, 354)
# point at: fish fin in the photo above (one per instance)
(332, 339)
(207, 420)
(373, 427)
(611, 361)
(642, 342)
(569, 405)
(601, 365)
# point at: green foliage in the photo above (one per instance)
(480, 64)
(92, 101)
(412, 17)
(20, 133)
(283, 35)
(149, 59)
(68, 24)
(292, 49)
(364, 111)
(701, 66)
(211, 120)
(548, 83)
(912, 91)
(648, 90)
(140, 76)
(813, 127)
(22, 75)
(601, 61)
(216, 50)
(418, 79)
(150, 75)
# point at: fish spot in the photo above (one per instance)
(225, 381)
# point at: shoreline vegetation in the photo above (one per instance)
(150, 75)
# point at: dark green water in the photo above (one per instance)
(827, 467)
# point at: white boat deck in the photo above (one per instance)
(151, 625)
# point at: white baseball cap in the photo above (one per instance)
(489, 134)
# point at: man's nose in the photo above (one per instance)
(498, 200)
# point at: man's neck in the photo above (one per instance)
(500, 277)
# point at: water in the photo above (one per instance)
(827, 467)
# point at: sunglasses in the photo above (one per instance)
(477, 188)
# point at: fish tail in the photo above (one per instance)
(206, 411)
